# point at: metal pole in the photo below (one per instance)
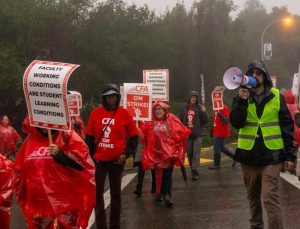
(202, 89)
(263, 34)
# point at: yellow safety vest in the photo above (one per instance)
(269, 124)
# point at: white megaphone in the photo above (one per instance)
(234, 78)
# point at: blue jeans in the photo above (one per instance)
(218, 148)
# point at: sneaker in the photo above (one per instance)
(214, 167)
(168, 201)
(160, 198)
(195, 175)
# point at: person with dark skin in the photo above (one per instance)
(265, 142)
(109, 127)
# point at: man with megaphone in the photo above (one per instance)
(265, 142)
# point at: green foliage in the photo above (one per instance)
(114, 41)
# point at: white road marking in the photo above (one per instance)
(292, 179)
(125, 181)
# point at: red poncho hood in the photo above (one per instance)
(46, 188)
(164, 140)
(160, 104)
(8, 140)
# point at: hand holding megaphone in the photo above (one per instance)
(234, 78)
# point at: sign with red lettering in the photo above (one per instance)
(217, 98)
(79, 97)
(159, 78)
(73, 105)
(138, 100)
(45, 89)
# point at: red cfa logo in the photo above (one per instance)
(139, 88)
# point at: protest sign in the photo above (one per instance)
(73, 105)
(45, 89)
(217, 98)
(78, 96)
(274, 80)
(138, 101)
(122, 96)
(295, 87)
(159, 78)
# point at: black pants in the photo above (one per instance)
(141, 175)
(114, 172)
(166, 187)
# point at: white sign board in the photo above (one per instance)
(267, 51)
(217, 98)
(138, 100)
(159, 78)
(45, 89)
(274, 80)
(79, 97)
(73, 105)
(122, 96)
(295, 88)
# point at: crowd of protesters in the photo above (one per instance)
(58, 182)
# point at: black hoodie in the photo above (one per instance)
(260, 155)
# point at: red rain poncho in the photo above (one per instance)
(164, 141)
(45, 188)
(79, 127)
(6, 190)
(8, 140)
(290, 99)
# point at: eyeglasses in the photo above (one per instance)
(257, 72)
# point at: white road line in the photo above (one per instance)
(125, 181)
(292, 179)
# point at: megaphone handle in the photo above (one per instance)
(242, 92)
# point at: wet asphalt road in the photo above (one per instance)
(216, 201)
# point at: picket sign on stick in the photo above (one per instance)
(217, 97)
(50, 136)
(202, 89)
(138, 100)
(159, 78)
(74, 103)
(45, 89)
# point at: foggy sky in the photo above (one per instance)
(160, 5)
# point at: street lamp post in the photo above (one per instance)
(287, 20)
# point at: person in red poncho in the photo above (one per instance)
(54, 183)
(6, 191)
(78, 126)
(290, 99)
(163, 146)
(8, 137)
